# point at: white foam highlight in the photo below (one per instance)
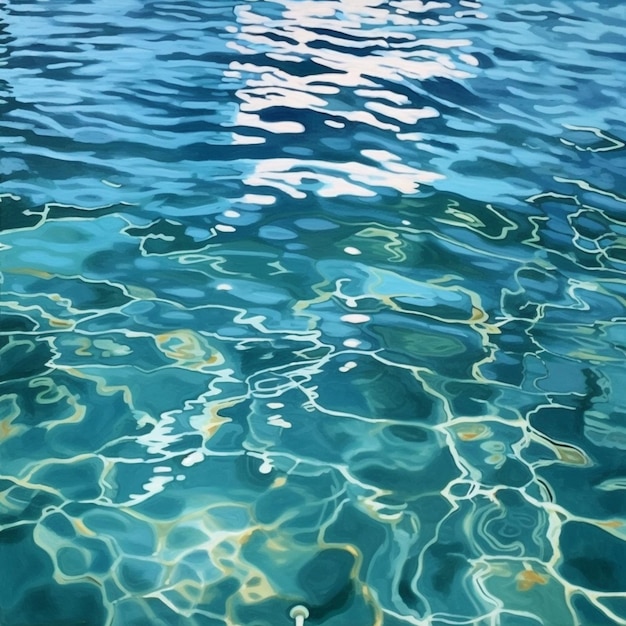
(193, 459)
(277, 420)
(246, 140)
(337, 179)
(255, 121)
(253, 198)
(407, 116)
(346, 367)
(355, 318)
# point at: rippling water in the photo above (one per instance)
(312, 302)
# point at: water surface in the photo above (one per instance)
(312, 302)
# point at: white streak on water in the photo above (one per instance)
(254, 121)
(355, 318)
(407, 116)
(251, 198)
(240, 140)
(193, 459)
(346, 367)
(277, 173)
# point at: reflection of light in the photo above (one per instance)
(154, 486)
(355, 318)
(277, 420)
(246, 119)
(343, 87)
(346, 367)
(193, 459)
(253, 198)
(160, 437)
(408, 116)
(337, 179)
(239, 140)
(267, 466)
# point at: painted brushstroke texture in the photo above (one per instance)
(312, 302)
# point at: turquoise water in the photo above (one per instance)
(312, 303)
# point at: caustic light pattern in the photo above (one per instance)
(312, 303)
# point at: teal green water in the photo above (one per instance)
(312, 303)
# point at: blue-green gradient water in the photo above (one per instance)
(313, 302)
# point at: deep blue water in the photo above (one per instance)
(312, 302)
